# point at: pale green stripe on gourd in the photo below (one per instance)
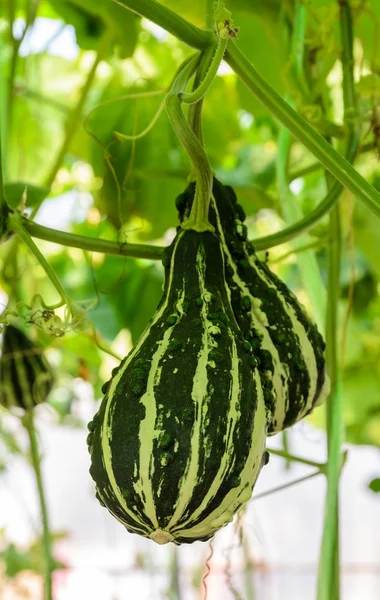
(180, 437)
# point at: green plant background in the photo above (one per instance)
(58, 144)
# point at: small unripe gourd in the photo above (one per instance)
(25, 375)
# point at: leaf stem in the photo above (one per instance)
(92, 244)
(15, 224)
(28, 421)
(198, 94)
(285, 486)
(293, 458)
(198, 219)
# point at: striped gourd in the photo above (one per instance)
(285, 340)
(179, 439)
(25, 375)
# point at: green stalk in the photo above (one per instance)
(293, 458)
(199, 92)
(328, 573)
(171, 21)
(195, 110)
(15, 225)
(28, 421)
(92, 244)
(198, 220)
(285, 486)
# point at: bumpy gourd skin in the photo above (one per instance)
(286, 342)
(25, 375)
(179, 439)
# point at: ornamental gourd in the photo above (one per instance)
(179, 439)
(25, 375)
(286, 342)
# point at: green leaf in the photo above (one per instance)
(17, 192)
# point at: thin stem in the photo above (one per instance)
(195, 110)
(74, 118)
(199, 93)
(293, 458)
(198, 219)
(285, 486)
(15, 225)
(91, 244)
(334, 418)
(28, 421)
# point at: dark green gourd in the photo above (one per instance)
(25, 375)
(286, 342)
(179, 439)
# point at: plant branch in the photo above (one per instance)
(28, 421)
(328, 572)
(297, 125)
(199, 92)
(171, 21)
(91, 244)
(15, 224)
(293, 458)
(285, 486)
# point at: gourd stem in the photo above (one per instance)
(15, 225)
(194, 116)
(200, 91)
(28, 421)
(198, 220)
